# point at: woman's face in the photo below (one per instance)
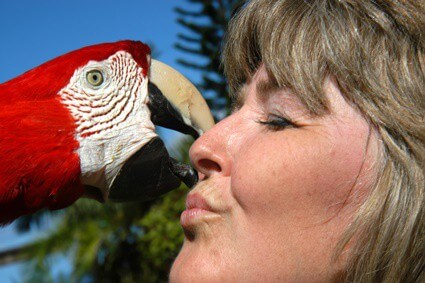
(275, 196)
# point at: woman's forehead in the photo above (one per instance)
(264, 88)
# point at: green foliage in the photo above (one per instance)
(134, 242)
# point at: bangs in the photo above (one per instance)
(290, 49)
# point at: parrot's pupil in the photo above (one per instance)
(95, 77)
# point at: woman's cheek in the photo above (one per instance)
(258, 174)
(306, 176)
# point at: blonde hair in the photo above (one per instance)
(376, 52)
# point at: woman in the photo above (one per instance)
(318, 174)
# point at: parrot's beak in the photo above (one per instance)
(176, 104)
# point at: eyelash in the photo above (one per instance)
(276, 123)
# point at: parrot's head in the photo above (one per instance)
(116, 94)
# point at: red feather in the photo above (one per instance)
(40, 167)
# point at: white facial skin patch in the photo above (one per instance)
(108, 102)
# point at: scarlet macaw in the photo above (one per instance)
(83, 124)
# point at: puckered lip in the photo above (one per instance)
(196, 201)
(198, 211)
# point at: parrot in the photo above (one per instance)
(83, 125)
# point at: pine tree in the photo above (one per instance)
(206, 25)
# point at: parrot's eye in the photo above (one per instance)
(94, 77)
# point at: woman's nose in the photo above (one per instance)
(209, 154)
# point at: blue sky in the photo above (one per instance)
(33, 32)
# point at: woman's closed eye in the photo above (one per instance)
(276, 123)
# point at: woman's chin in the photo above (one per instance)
(190, 258)
(196, 264)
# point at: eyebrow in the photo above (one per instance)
(264, 87)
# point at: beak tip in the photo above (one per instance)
(184, 172)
